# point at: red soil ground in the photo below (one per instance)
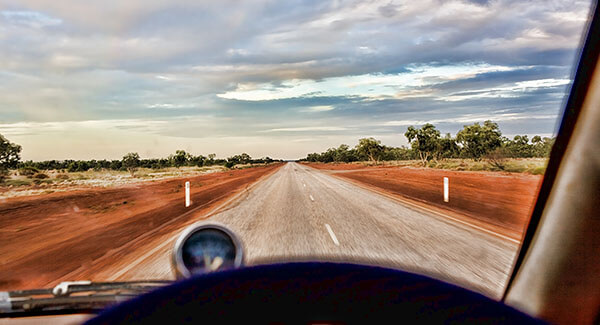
(43, 238)
(499, 201)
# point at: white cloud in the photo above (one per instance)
(319, 108)
(366, 85)
(167, 78)
(509, 91)
(472, 118)
(41, 128)
(307, 129)
(169, 105)
(68, 61)
(30, 18)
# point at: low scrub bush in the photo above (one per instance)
(42, 181)
(17, 182)
(3, 175)
(477, 167)
(515, 168)
(538, 171)
(28, 171)
(497, 159)
(62, 176)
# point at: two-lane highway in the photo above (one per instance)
(300, 213)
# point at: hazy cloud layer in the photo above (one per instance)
(275, 78)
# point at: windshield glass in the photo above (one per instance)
(405, 134)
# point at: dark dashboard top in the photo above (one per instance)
(311, 292)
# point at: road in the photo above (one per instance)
(300, 213)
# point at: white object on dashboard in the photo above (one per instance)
(63, 288)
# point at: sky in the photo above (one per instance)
(96, 79)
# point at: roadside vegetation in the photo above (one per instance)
(475, 147)
(14, 172)
(9, 157)
(132, 161)
(33, 176)
(534, 166)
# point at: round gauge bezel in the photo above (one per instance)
(180, 269)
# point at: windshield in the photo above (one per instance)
(411, 135)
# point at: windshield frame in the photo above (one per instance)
(587, 59)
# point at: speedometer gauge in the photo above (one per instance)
(204, 248)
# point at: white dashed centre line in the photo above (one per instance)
(333, 237)
(311, 198)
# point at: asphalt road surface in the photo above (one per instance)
(300, 213)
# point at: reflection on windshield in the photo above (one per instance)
(401, 135)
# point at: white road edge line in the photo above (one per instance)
(311, 198)
(332, 235)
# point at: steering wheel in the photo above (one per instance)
(310, 293)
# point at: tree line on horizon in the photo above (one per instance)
(181, 158)
(475, 141)
(10, 158)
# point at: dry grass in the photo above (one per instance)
(58, 181)
(535, 166)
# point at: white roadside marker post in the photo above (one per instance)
(446, 190)
(187, 194)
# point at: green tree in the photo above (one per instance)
(180, 158)
(447, 148)
(245, 158)
(9, 157)
(131, 161)
(519, 147)
(328, 156)
(344, 154)
(78, 166)
(9, 153)
(115, 164)
(313, 157)
(425, 141)
(239, 159)
(198, 160)
(478, 140)
(211, 159)
(369, 148)
(233, 160)
(542, 146)
(398, 153)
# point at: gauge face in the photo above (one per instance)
(209, 249)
